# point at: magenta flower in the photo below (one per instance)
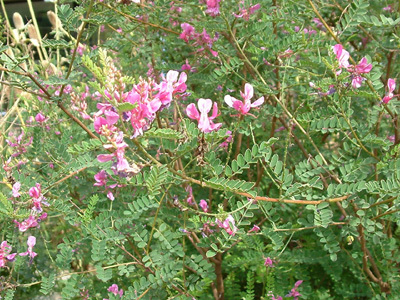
(254, 229)
(118, 143)
(28, 223)
(190, 199)
(31, 243)
(170, 86)
(245, 13)
(105, 126)
(293, 292)
(37, 197)
(342, 56)
(15, 189)
(391, 85)
(114, 289)
(101, 178)
(244, 107)
(203, 204)
(225, 143)
(228, 224)
(213, 7)
(269, 262)
(5, 250)
(18, 144)
(188, 32)
(205, 122)
(363, 66)
(40, 118)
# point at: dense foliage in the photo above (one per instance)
(211, 149)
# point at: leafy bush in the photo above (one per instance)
(201, 150)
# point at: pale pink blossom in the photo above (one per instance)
(205, 122)
(15, 189)
(342, 56)
(391, 85)
(228, 224)
(28, 223)
(243, 107)
(31, 243)
(204, 205)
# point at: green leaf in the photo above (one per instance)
(211, 253)
(126, 106)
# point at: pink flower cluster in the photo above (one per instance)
(363, 66)
(5, 250)
(38, 200)
(246, 12)
(19, 143)
(146, 98)
(228, 224)
(202, 40)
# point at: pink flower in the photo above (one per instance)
(18, 144)
(269, 262)
(105, 126)
(356, 82)
(245, 13)
(342, 56)
(31, 243)
(114, 289)
(203, 204)
(15, 189)
(294, 293)
(228, 224)
(363, 66)
(225, 143)
(391, 85)
(188, 32)
(118, 143)
(254, 229)
(170, 86)
(244, 107)
(5, 250)
(40, 118)
(101, 178)
(37, 198)
(28, 223)
(187, 67)
(205, 122)
(213, 7)
(190, 198)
